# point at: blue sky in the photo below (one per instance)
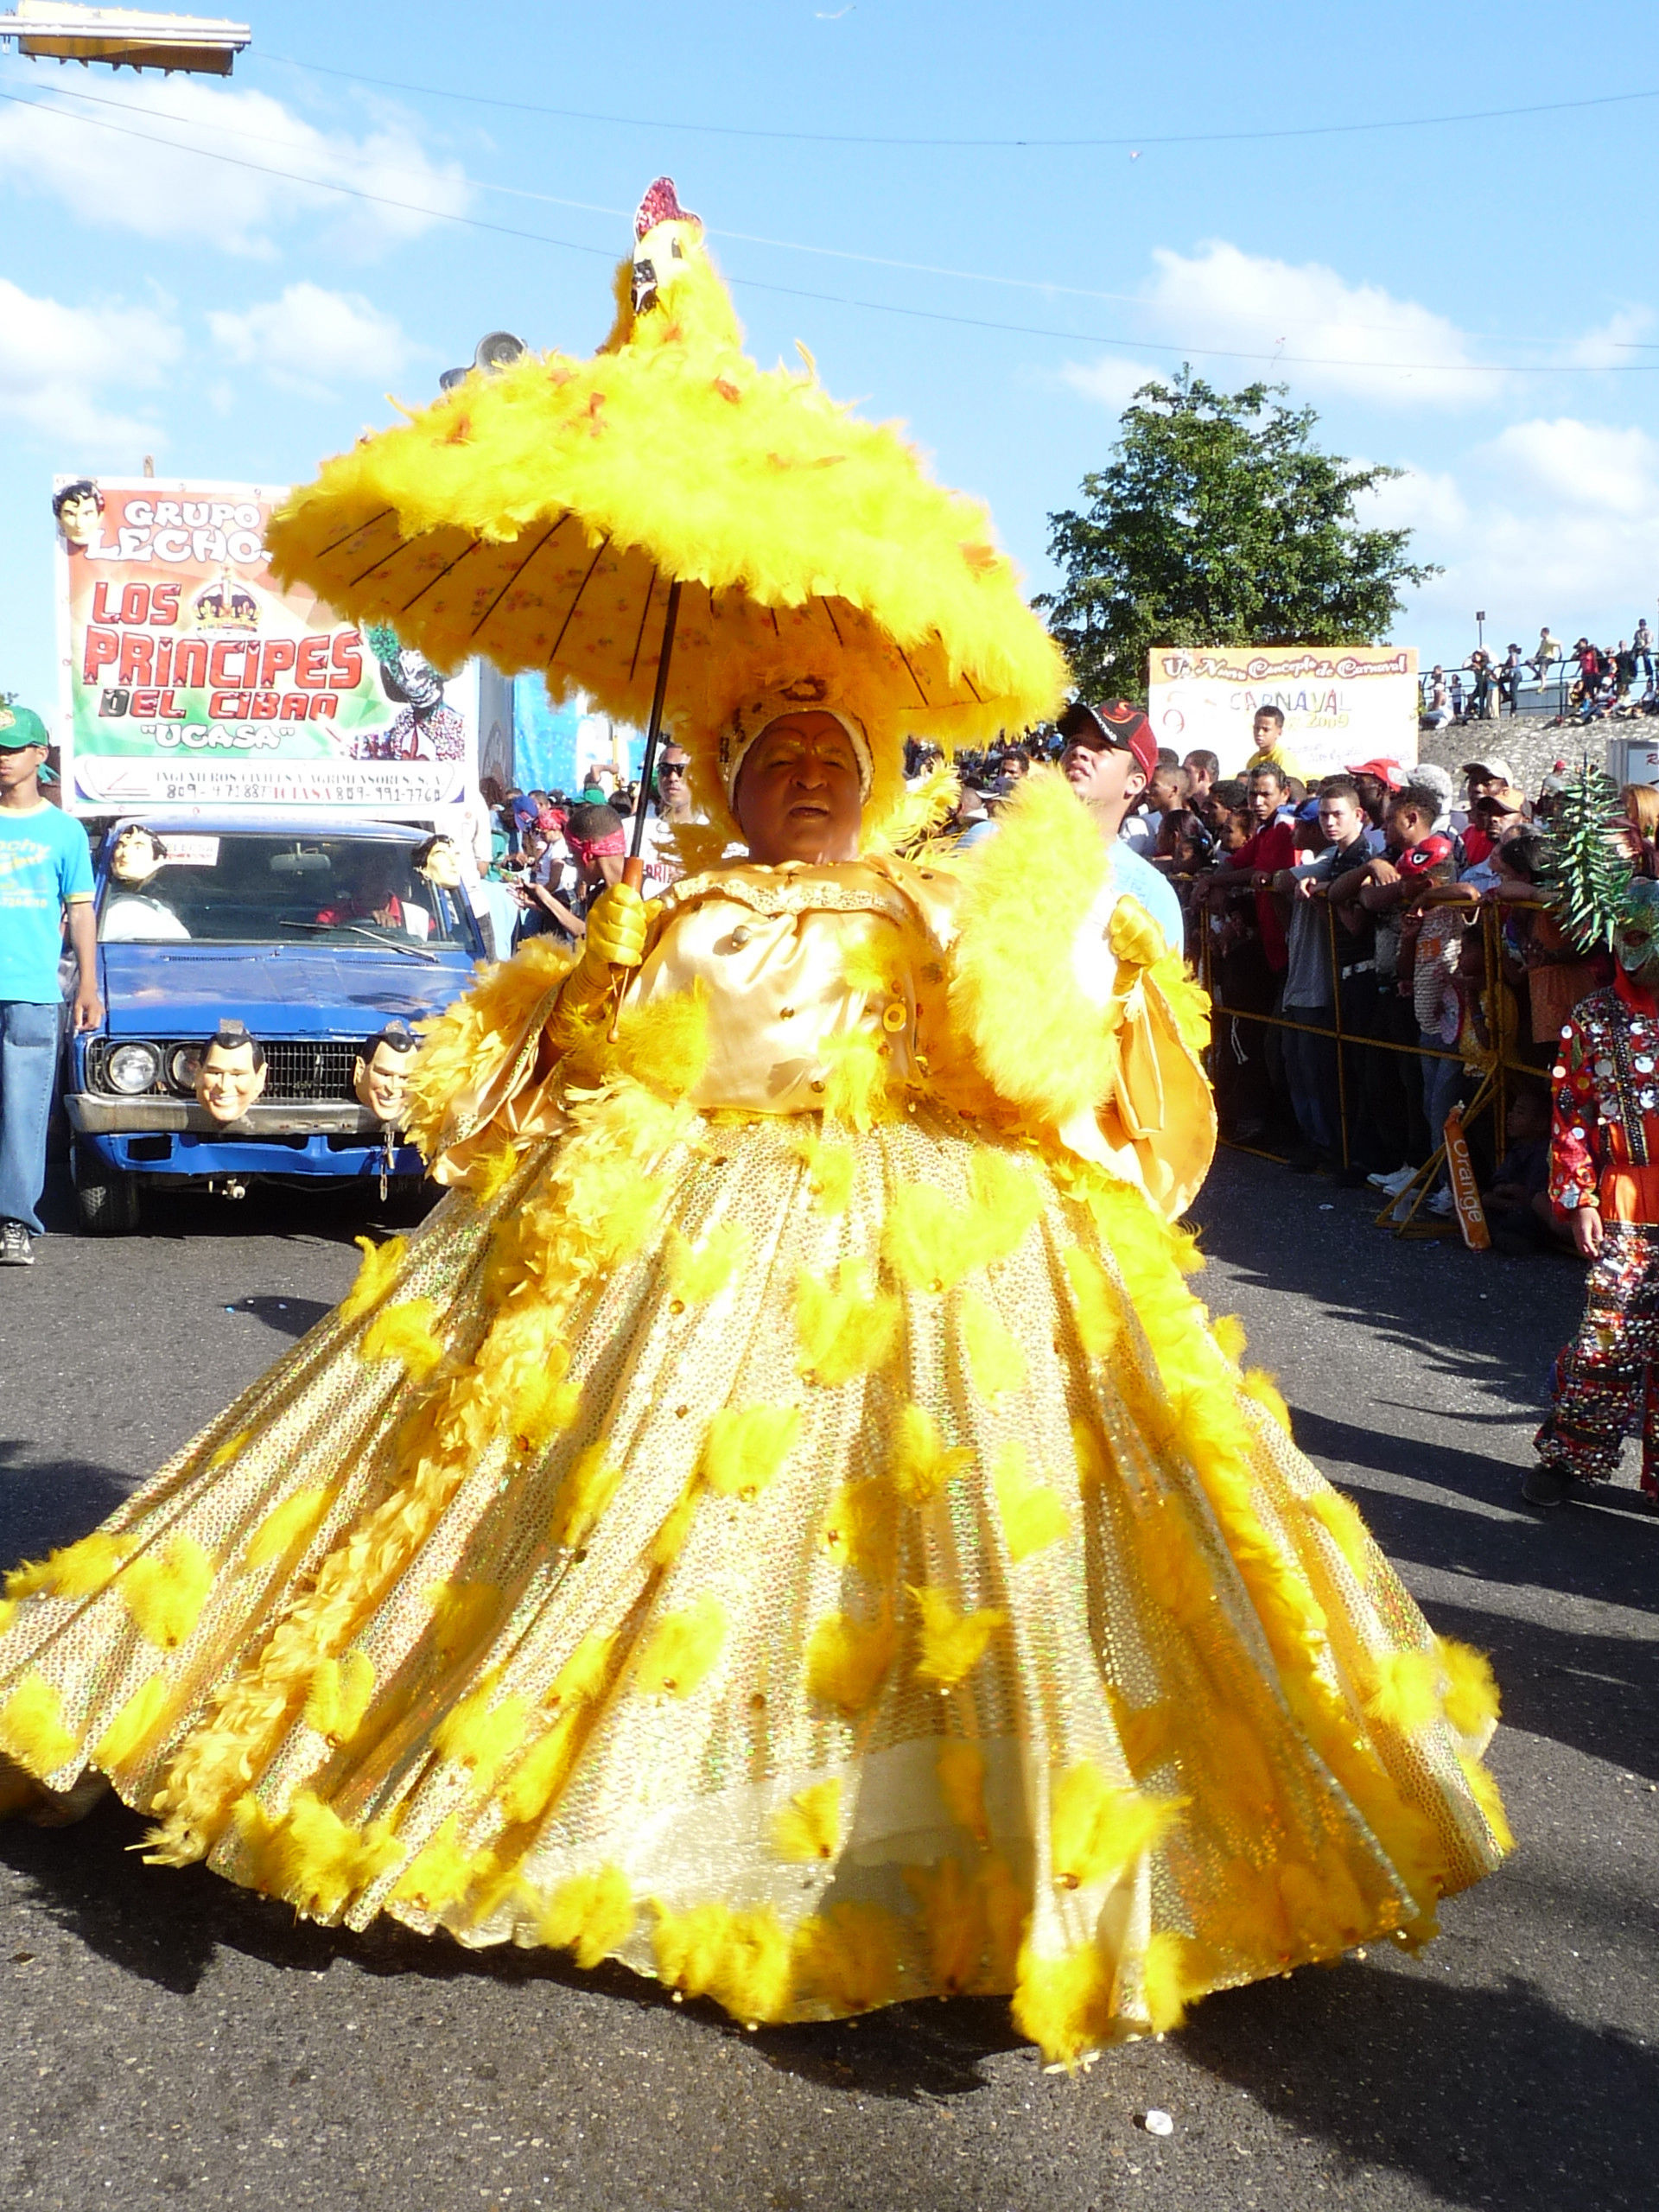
(1473, 300)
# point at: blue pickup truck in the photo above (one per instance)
(315, 931)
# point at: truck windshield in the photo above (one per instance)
(240, 888)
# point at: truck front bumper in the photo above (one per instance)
(335, 1139)
(91, 1114)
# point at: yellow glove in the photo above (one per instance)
(616, 934)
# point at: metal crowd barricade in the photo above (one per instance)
(1495, 1064)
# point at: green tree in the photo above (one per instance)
(1218, 522)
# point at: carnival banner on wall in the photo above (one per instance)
(189, 677)
(1342, 704)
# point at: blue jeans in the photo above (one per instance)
(28, 1060)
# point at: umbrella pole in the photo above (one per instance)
(633, 868)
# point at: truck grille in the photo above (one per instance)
(306, 1070)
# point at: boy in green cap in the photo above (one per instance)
(46, 871)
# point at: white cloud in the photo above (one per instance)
(57, 362)
(1112, 380)
(311, 338)
(1328, 333)
(167, 190)
(1616, 344)
(1552, 521)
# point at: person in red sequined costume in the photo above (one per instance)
(1604, 1172)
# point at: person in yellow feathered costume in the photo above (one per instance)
(784, 1524)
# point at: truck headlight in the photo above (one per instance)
(132, 1068)
(182, 1064)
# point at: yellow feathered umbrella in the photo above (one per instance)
(667, 519)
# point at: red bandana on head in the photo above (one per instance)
(661, 205)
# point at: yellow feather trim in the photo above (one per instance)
(489, 1171)
(846, 1327)
(76, 1571)
(165, 1594)
(404, 1333)
(339, 1694)
(1342, 1519)
(1047, 1051)
(922, 1461)
(860, 1528)
(929, 1241)
(584, 1496)
(1098, 1828)
(1065, 2005)
(439, 1874)
(1485, 1791)
(479, 1734)
(461, 1611)
(1008, 1914)
(1472, 1700)
(857, 1078)
(741, 1959)
(1228, 1333)
(1406, 1692)
(962, 1785)
(951, 1644)
(32, 1729)
(1033, 1514)
(953, 1919)
(664, 1043)
(1148, 1732)
(544, 1407)
(681, 1650)
(809, 1826)
(847, 1660)
(318, 1861)
(381, 1265)
(670, 1541)
(1099, 1315)
(134, 1725)
(1168, 1982)
(830, 1169)
(540, 1777)
(592, 1915)
(1259, 1385)
(848, 1958)
(700, 1273)
(229, 1449)
(585, 1673)
(994, 1361)
(287, 1526)
(747, 1447)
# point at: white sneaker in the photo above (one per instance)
(1442, 1206)
(1395, 1183)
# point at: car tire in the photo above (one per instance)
(106, 1201)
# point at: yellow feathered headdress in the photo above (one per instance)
(537, 514)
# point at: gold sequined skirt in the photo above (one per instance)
(815, 1568)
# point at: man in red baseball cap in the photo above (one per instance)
(1109, 755)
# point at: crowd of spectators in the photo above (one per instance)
(1410, 917)
(1586, 683)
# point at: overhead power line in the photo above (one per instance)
(1044, 139)
(1276, 358)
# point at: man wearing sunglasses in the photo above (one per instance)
(672, 805)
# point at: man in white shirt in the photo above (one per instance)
(657, 848)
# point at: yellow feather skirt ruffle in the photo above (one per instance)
(807, 1593)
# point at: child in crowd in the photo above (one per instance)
(1518, 1211)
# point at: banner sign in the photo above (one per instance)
(554, 747)
(1342, 704)
(188, 677)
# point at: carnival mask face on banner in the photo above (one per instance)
(227, 1082)
(137, 857)
(381, 1082)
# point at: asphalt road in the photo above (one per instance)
(164, 2038)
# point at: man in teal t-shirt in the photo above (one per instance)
(46, 871)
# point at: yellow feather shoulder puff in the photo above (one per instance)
(467, 1067)
(1026, 892)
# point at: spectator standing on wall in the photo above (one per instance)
(1623, 671)
(1509, 679)
(1437, 704)
(1642, 650)
(1480, 699)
